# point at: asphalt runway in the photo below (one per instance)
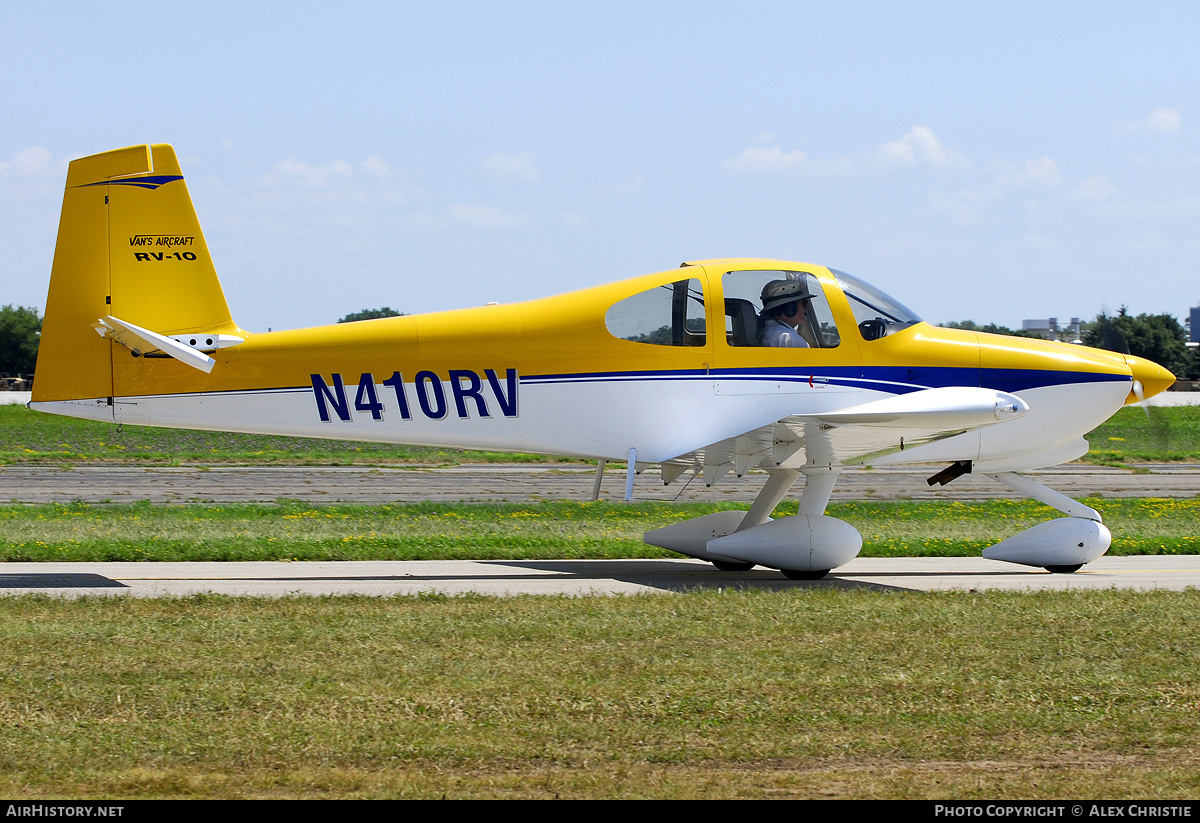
(572, 577)
(520, 483)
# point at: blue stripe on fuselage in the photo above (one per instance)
(892, 379)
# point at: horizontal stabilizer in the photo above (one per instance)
(143, 341)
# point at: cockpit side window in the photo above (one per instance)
(875, 313)
(668, 315)
(751, 322)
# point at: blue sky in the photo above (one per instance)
(1023, 160)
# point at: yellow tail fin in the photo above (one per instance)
(130, 247)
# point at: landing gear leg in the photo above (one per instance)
(807, 544)
(818, 488)
(778, 485)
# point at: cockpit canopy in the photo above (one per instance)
(674, 313)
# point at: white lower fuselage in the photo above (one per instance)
(601, 416)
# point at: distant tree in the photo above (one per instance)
(20, 331)
(1156, 337)
(659, 337)
(990, 328)
(371, 314)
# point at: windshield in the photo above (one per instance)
(875, 313)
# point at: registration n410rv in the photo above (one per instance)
(716, 367)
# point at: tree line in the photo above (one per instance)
(20, 331)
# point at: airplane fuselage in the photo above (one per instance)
(567, 385)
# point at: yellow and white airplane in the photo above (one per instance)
(671, 368)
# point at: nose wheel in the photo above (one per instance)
(1063, 569)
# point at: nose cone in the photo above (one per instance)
(1149, 379)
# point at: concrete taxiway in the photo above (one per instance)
(571, 577)
(523, 483)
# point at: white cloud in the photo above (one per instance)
(372, 181)
(1095, 188)
(30, 177)
(631, 186)
(977, 205)
(305, 174)
(28, 163)
(512, 167)
(573, 219)
(1040, 172)
(920, 146)
(376, 167)
(1161, 120)
(487, 216)
(967, 207)
(774, 160)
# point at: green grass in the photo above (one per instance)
(1166, 435)
(545, 530)
(1151, 435)
(806, 693)
(32, 437)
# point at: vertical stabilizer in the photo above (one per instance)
(129, 246)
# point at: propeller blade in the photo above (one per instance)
(1139, 391)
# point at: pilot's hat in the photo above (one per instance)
(778, 292)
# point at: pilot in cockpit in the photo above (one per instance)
(785, 307)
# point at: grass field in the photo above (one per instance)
(806, 693)
(558, 529)
(1153, 435)
(1131, 436)
(31, 437)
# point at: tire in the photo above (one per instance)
(1063, 569)
(796, 574)
(731, 566)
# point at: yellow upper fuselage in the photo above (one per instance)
(567, 335)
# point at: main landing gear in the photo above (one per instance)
(804, 546)
(732, 566)
(793, 574)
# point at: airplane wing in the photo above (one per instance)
(851, 435)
